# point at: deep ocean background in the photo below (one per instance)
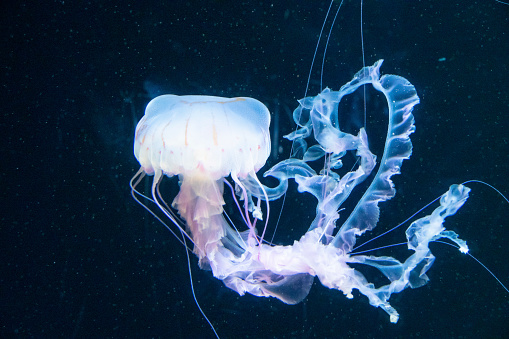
(80, 259)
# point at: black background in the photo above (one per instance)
(79, 258)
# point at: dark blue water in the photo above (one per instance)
(79, 258)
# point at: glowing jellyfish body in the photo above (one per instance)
(203, 139)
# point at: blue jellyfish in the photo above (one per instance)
(204, 139)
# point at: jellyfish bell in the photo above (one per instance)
(203, 135)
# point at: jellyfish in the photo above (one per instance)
(205, 139)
